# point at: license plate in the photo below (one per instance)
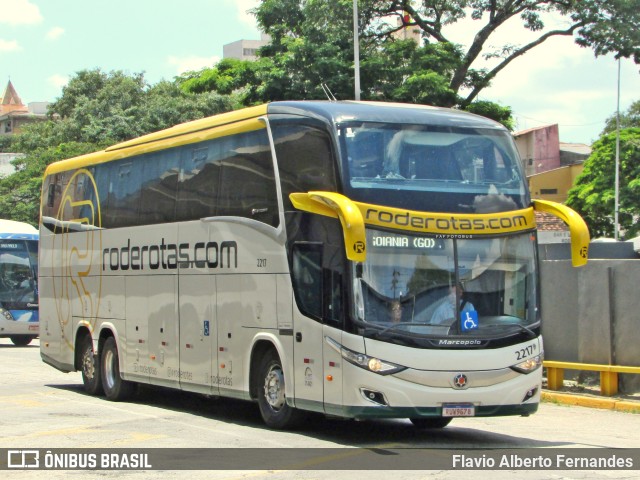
(458, 410)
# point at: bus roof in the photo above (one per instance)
(247, 119)
(382, 112)
(17, 230)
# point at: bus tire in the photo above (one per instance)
(90, 367)
(21, 340)
(436, 422)
(115, 388)
(271, 394)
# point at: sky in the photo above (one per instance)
(43, 43)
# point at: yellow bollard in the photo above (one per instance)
(555, 378)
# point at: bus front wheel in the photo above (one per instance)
(271, 395)
(115, 388)
(439, 422)
(90, 367)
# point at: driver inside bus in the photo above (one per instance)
(446, 312)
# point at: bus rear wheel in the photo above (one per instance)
(21, 340)
(438, 422)
(90, 367)
(115, 388)
(271, 395)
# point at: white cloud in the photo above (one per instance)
(58, 81)
(191, 63)
(243, 7)
(19, 12)
(9, 46)
(55, 33)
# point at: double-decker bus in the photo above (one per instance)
(361, 260)
(18, 282)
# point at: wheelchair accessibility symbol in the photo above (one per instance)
(468, 320)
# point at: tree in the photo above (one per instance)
(312, 47)
(628, 119)
(593, 195)
(606, 26)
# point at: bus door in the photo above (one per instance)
(198, 328)
(318, 378)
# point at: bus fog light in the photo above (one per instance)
(530, 394)
(373, 396)
(529, 365)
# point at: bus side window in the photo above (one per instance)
(199, 182)
(307, 278)
(123, 194)
(247, 185)
(159, 186)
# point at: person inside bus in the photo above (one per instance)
(446, 312)
(395, 311)
(391, 164)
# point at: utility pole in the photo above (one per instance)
(356, 50)
(617, 181)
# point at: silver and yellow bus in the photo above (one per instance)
(361, 260)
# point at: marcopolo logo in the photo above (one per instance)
(171, 256)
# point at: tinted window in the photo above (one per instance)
(199, 182)
(247, 186)
(159, 184)
(231, 175)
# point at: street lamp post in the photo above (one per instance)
(356, 50)
(617, 175)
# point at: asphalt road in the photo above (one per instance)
(42, 408)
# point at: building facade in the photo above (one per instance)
(245, 49)
(14, 115)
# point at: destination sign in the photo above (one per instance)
(406, 242)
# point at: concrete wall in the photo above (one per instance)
(591, 314)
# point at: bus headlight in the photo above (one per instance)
(366, 362)
(6, 314)
(529, 365)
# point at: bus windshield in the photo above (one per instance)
(413, 284)
(18, 273)
(475, 162)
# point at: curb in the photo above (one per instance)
(619, 405)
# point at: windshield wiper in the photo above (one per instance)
(530, 333)
(404, 324)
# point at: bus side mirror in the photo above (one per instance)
(337, 206)
(577, 227)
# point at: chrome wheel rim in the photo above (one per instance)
(274, 388)
(109, 369)
(88, 365)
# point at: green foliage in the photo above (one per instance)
(628, 119)
(593, 195)
(306, 34)
(6, 143)
(494, 111)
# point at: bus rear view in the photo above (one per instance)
(18, 282)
